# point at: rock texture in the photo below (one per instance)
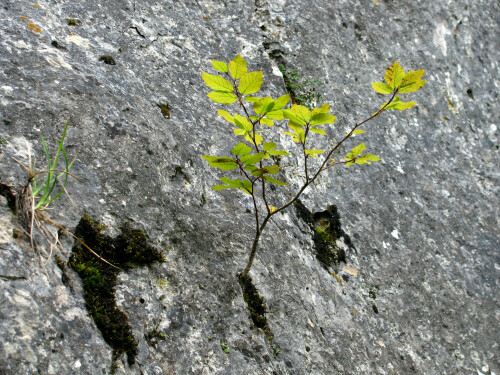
(418, 292)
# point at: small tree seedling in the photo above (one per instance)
(253, 158)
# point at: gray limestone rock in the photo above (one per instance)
(418, 291)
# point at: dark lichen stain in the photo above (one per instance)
(326, 231)
(127, 250)
(107, 59)
(256, 306)
(8, 193)
(57, 45)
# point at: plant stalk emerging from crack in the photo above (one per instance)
(236, 84)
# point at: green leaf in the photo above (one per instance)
(222, 97)
(242, 122)
(382, 88)
(298, 114)
(282, 101)
(357, 131)
(274, 181)
(269, 146)
(226, 116)
(266, 121)
(252, 99)
(314, 153)
(275, 115)
(318, 130)
(366, 159)
(217, 82)
(411, 87)
(294, 137)
(241, 149)
(413, 76)
(358, 150)
(397, 104)
(257, 136)
(298, 130)
(263, 105)
(325, 108)
(238, 67)
(394, 75)
(217, 159)
(252, 159)
(250, 83)
(322, 118)
(220, 66)
(225, 166)
(278, 152)
(221, 187)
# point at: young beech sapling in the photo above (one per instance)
(252, 158)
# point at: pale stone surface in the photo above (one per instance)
(423, 222)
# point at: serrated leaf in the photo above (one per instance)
(317, 130)
(225, 166)
(250, 83)
(411, 87)
(264, 105)
(278, 152)
(218, 159)
(217, 83)
(382, 88)
(282, 101)
(322, 118)
(241, 149)
(220, 66)
(252, 159)
(275, 115)
(357, 131)
(413, 76)
(237, 67)
(294, 137)
(274, 181)
(269, 146)
(242, 122)
(367, 159)
(325, 108)
(226, 116)
(299, 113)
(397, 104)
(252, 99)
(222, 97)
(358, 150)
(221, 187)
(394, 75)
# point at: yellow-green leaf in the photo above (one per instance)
(294, 137)
(269, 146)
(357, 131)
(322, 118)
(282, 101)
(222, 97)
(220, 66)
(238, 67)
(226, 116)
(278, 152)
(411, 86)
(274, 181)
(325, 108)
(318, 130)
(275, 115)
(264, 105)
(413, 76)
(250, 83)
(358, 150)
(394, 75)
(298, 130)
(382, 88)
(397, 104)
(241, 149)
(302, 112)
(242, 122)
(252, 99)
(366, 159)
(252, 159)
(217, 83)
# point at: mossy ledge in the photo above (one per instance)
(129, 249)
(326, 231)
(256, 306)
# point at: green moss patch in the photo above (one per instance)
(326, 231)
(127, 250)
(256, 306)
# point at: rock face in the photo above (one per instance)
(418, 290)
